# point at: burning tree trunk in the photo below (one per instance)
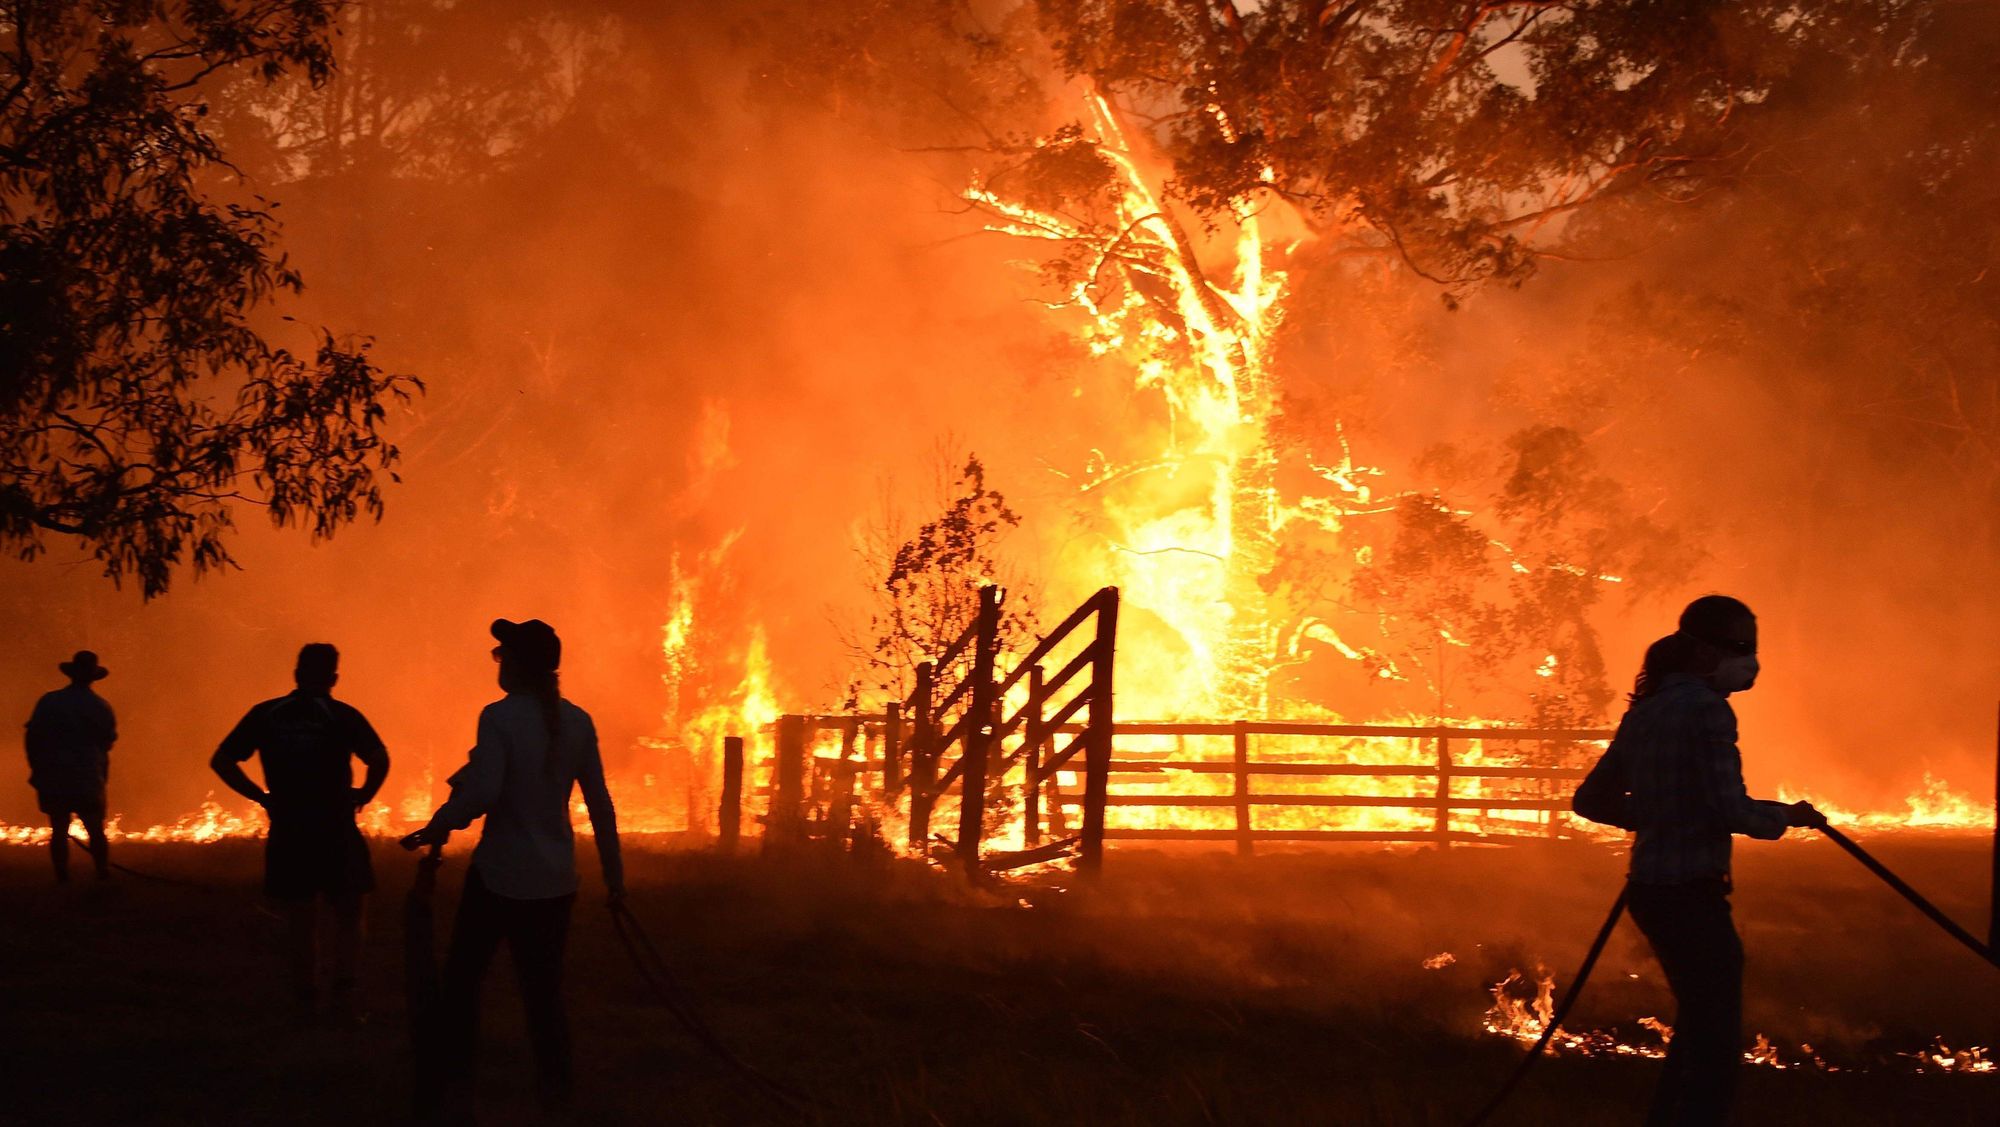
(1244, 676)
(1149, 299)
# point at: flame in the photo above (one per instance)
(1191, 527)
(1189, 524)
(1933, 805)
(1942, 1058)
(384, 819)
(749, 709)
(1192, 318)
(211, 822)
(702, 707)
(1522, 1017)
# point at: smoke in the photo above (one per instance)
(1793, 373)
(680, 322)
(694, 309)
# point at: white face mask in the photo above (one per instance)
(1735, 673)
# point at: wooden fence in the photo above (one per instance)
(1447, 777)
(1024, 727)
(1433, 796)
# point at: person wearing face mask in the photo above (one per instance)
(1673, 776)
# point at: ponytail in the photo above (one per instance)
(546, 688)
(547, 691)
(1675, 653)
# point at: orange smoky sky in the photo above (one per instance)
(700, 322)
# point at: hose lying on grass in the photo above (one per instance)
(1561, 1011)
(141, 873)
(420, 982)
(654, 972)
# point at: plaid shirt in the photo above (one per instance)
(1673, 775)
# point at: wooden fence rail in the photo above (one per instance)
(875, 760)
(1244, 798)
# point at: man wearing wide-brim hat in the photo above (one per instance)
(69, 742)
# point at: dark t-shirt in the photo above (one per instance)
(305, 743)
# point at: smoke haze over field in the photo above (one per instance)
(692, 318)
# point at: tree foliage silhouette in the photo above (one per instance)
(140, 396)
(927, 583)
(1133, 143)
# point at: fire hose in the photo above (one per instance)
(1557, 1015)
(1950, 926)
(422, 986)
(653, 970)
(1561, 1011)
(140, 873)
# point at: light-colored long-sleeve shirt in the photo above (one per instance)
(527, 850)
(69, 738)
(1673, 775)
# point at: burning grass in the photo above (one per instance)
(1190, 988)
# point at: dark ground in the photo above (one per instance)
(1188, 989)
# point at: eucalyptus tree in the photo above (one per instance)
(147, 389)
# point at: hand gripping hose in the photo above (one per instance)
(1889, 878)
(667, 991)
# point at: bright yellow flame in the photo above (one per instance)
(1191, 566)
(1934, 805)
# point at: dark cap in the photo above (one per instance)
(532, 645)
(84, 667)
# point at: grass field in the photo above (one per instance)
(1186, 988)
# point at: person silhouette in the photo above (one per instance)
(533, 748)
(1674, 776)
(305, 742)
(69, 737)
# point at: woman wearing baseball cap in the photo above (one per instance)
(533, 748)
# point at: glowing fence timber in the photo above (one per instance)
(1010, 740)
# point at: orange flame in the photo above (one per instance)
(1522, 1017)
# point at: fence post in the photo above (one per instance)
(729, 820)
(787, 819)
(1244, 843)
(892, 752)
(1031, 735)
(1097, 749)
(1993, 904)
(978, 731)
(840, 810)
(923, 759)
(1443, 828)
